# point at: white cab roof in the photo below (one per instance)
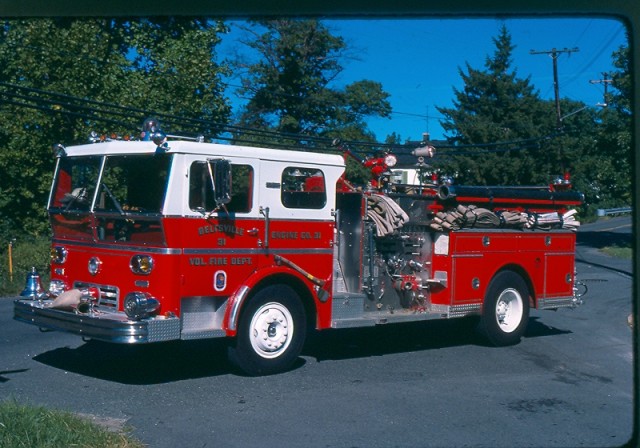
(206, 149)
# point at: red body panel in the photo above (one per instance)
(545, 259)
(163, 282)
(208, 258)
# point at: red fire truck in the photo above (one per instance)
(173, 239)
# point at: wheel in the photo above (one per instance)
(271, 332)
(505, 312)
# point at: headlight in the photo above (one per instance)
(94, 265)
(138, 305)
(141, 264)
(58, 255)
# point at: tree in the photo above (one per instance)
(61, 78)
(290, 88)
(606, 168)
(175, 69)
(497, 123)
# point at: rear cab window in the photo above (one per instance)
(303, 188)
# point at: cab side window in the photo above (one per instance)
(303, 188)
(201, 195)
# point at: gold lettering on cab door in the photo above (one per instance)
(284, 235)
(220, 228)
(219, 261)
(296, 235)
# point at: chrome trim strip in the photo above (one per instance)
(205, 251)
(238, 299)
(53, 182)
(92, 245)
(191, 251)
(98, 185)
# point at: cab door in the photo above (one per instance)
(220, 241)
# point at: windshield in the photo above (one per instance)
(129, 184)
(125, 193)
(75, 183)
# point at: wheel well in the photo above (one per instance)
(298, 287)
(525, 276)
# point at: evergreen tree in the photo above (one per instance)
(605, 168)
(495, 106)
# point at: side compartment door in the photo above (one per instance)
(559, 266)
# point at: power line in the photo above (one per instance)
(117, 115)
(596, 55)
(604, 81)
(554, 54)
(58, 101)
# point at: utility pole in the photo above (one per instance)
(605, 81)
(554, 54)
(427, 117)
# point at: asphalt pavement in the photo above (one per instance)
(605, 232)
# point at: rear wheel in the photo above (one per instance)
(506, 309)
(271, 332)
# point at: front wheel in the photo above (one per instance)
(506, 309)
(271, 332)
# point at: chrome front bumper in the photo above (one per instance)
(104, 326)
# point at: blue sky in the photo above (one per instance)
(418, 61)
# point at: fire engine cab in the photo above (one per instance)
(173, 239)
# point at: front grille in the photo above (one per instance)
(108, 295)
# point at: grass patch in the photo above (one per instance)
(24, 426)
(25, 253)
(624, 252)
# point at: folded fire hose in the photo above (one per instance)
(473, 217)
(385, 213)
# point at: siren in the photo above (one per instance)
(151, 131)
(33, 288)
(425, 151)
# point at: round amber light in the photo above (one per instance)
(141, 264)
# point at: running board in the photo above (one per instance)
(557, 302)
(348, 312)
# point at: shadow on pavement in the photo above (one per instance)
(407, 337)
(4, 375)
(181, 360)
(142, 364)
(602, 239)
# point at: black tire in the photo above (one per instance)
(505, 312)
(271, 332)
